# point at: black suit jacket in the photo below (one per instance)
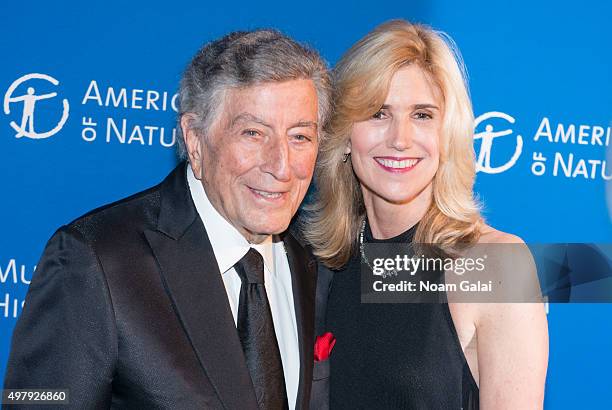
(321, 373)
(127, 309)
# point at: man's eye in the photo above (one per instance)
(251, 133)
(420, 115)
(302, 138)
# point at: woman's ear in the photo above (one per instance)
(347, 150)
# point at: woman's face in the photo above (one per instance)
(395, 153)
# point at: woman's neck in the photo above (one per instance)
(388, 219)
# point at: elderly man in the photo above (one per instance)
(192, 294)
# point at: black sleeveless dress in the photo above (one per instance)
(393, 356)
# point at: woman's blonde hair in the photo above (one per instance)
(361, 82)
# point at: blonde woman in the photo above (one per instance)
(398, 166)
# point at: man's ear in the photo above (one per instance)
(192, 143)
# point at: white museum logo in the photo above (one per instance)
(28, 103)
(487, 136)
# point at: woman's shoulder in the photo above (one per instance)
(507, 252)
(488, 234)
(510, 261)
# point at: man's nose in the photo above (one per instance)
(401, 135)
(276, 159)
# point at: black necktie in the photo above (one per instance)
(256, 331)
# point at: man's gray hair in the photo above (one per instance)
(242, 59)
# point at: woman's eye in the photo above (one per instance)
(379, 115)
(423, 115)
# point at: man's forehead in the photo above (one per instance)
(294, 103)
(298, 89)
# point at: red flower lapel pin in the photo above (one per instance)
(323, 346)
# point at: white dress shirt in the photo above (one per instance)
(229, 246)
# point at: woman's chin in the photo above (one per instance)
(397, 199)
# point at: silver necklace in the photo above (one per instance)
(364, 258)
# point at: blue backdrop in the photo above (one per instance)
(88, 118)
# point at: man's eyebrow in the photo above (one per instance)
(245, 116)
(306, 124)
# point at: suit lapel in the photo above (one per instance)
(192, 279)
(303, 278)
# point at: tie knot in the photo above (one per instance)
(251, 267)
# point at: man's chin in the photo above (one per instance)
(265, 228)
(271, 230)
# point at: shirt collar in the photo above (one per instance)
(229, 246)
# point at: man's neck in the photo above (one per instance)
(254, 239)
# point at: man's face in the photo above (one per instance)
(257, 160)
